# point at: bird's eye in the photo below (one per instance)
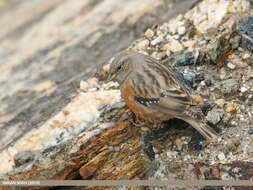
(119, 67)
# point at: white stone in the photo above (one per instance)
(202, 83)
(243, 89)
(168, 53)
(221, 156)
(231, 65)
(181, 30)
(142, 45)
(169, 37)
(180, 23)
(173, 26)
(171, 154)
(176, 37)
(156, 41)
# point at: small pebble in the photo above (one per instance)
(221, 156)
(173, 46)
(203, 83)
(176, 37)
(181, 30)
(170, 155)
(222, 74)
(220, 102)
(142, 45)
(208, 82)
(243, 89)
(197, 98)
(169, 37)
(149, 33)
(173, 27)
(250, 131)
(231, 106)
(214, 116)
(168, 53)
(92, 89)
(156, 41)
(179, 144)
(231, 65)
(246, 56)
(161, 55)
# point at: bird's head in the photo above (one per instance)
(121, 67)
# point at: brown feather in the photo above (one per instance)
(154, 94)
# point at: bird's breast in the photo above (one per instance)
(141, 111)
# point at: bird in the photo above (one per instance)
(154, 93)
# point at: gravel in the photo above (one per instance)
(245, 30)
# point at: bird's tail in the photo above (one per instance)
(203, 129)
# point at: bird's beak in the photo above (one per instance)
(110, 77)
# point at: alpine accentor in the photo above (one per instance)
(154, 93)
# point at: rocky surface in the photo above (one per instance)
(88, 133)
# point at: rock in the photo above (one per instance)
(187, 58)
(208, 82)
(23, 157)
(173, 25)
(161, 55)
(168, 53)
(199, 77)
(227, 86)
(157, 40)
(220, 102)
(89, 84)
(214, 116)
(231, 106)
(142, 45)
(173, 45)
(203, 83)
(231, 65)
(219, 49)
(221, 156)
(181, 30)
(175, 37)
(179, 144)
(189, 44)
(250, 131)
(170, 155)
(223, 74)
(198, 99)
(243, 89)
(149, 34)
(245, 30)
(231, 145)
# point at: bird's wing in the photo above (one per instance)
(169, 96)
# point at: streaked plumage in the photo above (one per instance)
(154, 93)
